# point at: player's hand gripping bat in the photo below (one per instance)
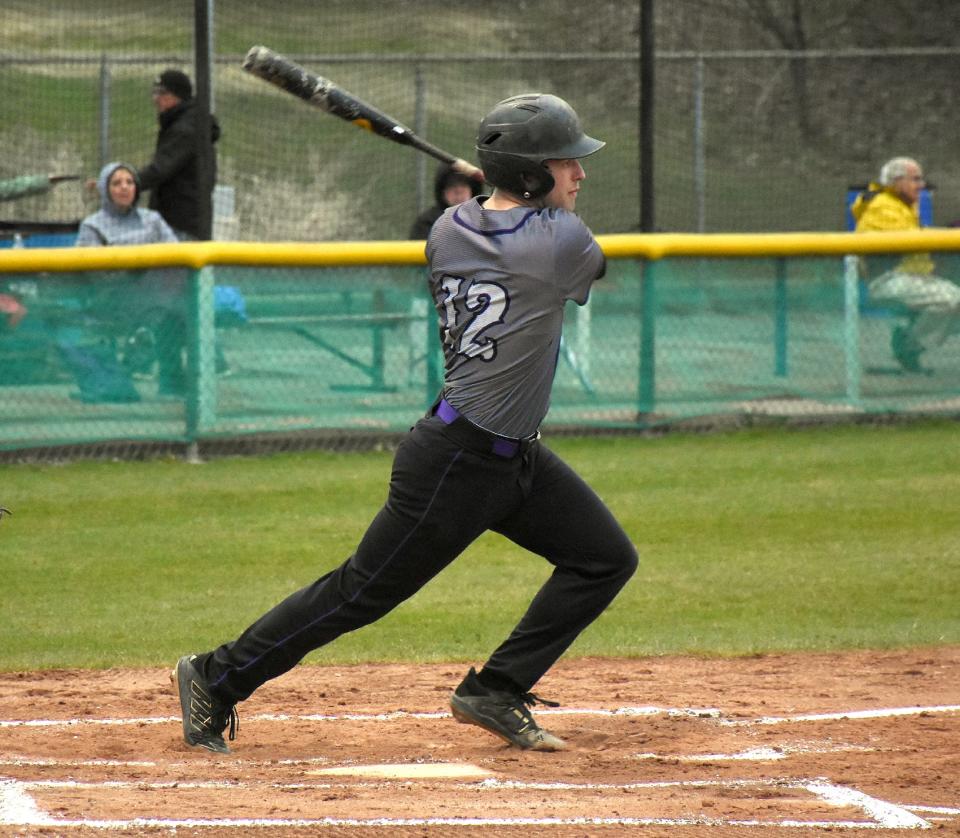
(324, 94)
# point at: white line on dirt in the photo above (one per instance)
(750, 755)
(887, 815)
(364, 717)
(881, 713)
(762, 754)
(120, 763)
(274, 823)
(17, 807)
(934, 810)
(696, 712)
(487, 784)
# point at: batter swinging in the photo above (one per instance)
(501, 270)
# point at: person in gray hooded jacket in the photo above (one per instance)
(147, 306)
(119, 220)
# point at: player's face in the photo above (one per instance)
(567, 175)
(122, 189)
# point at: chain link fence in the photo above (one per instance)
(347, 357)
(764, 118)
(747, 138)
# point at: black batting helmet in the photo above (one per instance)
(520, 133)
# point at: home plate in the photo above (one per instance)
(409, 770)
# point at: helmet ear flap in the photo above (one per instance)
(536, 183)
(516, 174)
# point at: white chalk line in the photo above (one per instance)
(17, 807)
(50, 762)
(761, 754)
(276, 823)
(889, 815)
(882, 713)
(485, 784)
(934, 810)
(695, 712)
(397, 715)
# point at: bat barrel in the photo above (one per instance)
(279, 70)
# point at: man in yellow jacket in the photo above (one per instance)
(933, 302)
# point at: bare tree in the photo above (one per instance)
(800, 25)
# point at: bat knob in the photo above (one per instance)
(256, 56)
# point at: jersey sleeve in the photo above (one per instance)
(579, 259)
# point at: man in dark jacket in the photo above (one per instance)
(179, 188)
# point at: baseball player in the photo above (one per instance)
(501, 269)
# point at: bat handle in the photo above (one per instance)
(467, 169)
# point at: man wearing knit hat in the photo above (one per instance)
(176, 182)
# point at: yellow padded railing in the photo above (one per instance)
(623, 246)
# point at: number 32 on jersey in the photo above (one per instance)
(468, 313)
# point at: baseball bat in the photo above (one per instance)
(322, 93)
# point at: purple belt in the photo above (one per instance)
(502, 446)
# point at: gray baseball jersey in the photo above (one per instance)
(499, 282)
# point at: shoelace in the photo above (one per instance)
(530, 699)
(231, 717)
(527, 724)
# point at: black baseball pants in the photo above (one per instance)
(446, 489)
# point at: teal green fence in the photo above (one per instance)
(184, 355)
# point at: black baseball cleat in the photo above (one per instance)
(204, 718)
(503, 713)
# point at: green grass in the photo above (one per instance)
(752, 541)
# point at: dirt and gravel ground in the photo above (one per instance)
(785, 745)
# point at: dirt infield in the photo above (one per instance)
(773, 745)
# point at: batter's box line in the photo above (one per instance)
(694, 712)
(396, 715)
(760, 754)
(18, 808)
(880, 713)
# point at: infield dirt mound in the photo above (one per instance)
(786, 745)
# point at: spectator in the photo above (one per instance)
(10, 189)
(449, 188)
(933, 302)
(119, 220)
(156, 322)
(21, 187)
(179, 189)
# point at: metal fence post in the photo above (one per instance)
(420, 128)
(699, 148)
(104, 147)
(851, 327)
(201, 353)
(648, 336)
(780, 319)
